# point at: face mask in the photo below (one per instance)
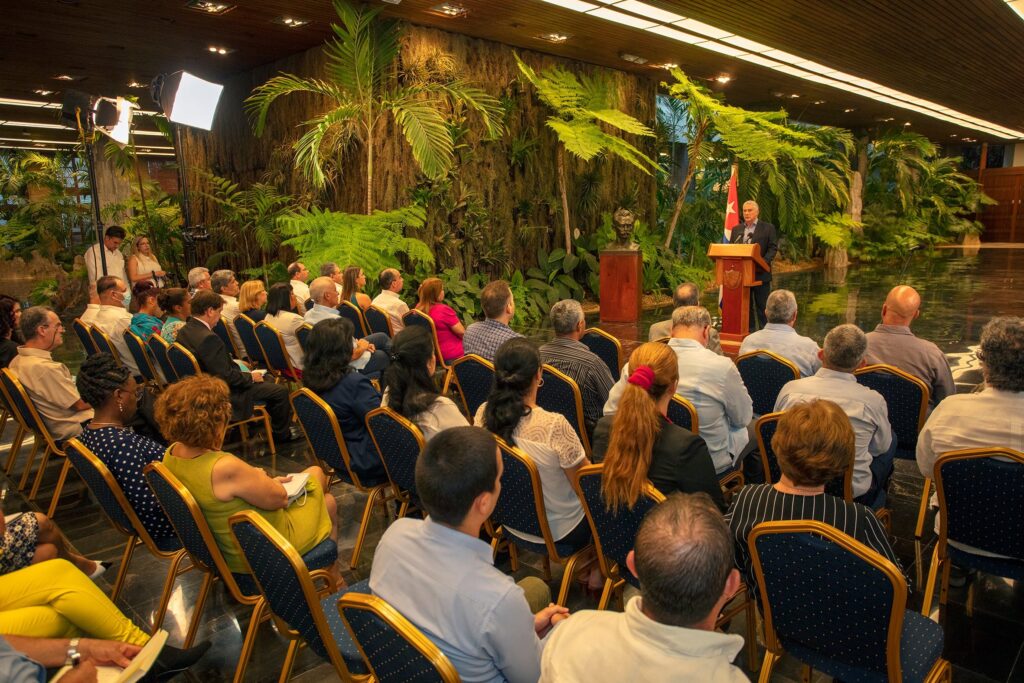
(127, 299)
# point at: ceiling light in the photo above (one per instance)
(577, 5)
(907, 123)
(620, 18)
(31, 124)
(66, 77)
(136, 84)
(794, 96)
(723, 78)
(849, 109)
(645, 10)
(757, 59)
(43, 92)
(48, 142)
(723, 49)
(1017, 6)
(450, 9)
(291, 22)
(703, 29)
(220, 50)
(783, 56)
(668, 66)
(632, 58)
(746, 44)
(555, 37)
(819, 101)
(675, 34)
(952, 135)
(33, 104)
(208, 7)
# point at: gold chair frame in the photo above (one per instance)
(85, 327)
(155, 372)
(110, 348)
(387, 318)
(684, 402)
(275, 372)
(580, 426)
(601, 333)
(774, 356)
(230, 327)
(364, 329)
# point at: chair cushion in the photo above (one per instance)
(563, 549)
(920, 646)
(1011, 569)
(342, 637)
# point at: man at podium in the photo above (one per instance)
(761, 233)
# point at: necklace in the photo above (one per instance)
(93, 424)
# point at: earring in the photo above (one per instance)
(120, 407)
(541, 382)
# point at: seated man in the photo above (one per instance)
(780, 337)
(843, 353)
(711, 383)
(389, 299)
(224, 283)
(684, 560)
(198, 279)
(483, 338)
(113, 317)
(367, 357)
(298, 274)
(894, 344)
(440, 576)
(197, 336)
(568, 354)
(48, 382)
(686, 294)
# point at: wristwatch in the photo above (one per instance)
(74, 656)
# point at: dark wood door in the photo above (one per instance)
(1004, 222)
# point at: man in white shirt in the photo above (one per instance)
(780, 337)
(366, 358)
(113, 236)
(198, 279)
(391, 283)
(299, 274)
(225, 283)
(684, 559)
(843, 353)
(113, 319)
(710, 382)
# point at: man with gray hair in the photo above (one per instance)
(333, 271)
(711, 383)
(762, 233)
(683, 556)
(198, 278)
(686, 294)
(780, 337)
(389, 299)
(843, 353)
(298, 274)
(225, 283)
(567, 354)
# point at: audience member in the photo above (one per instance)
(476, 615)
(814, 444)
(10, 335)
(567, 354)
(48, 382)
(198, 279)
(298, 274)
(350, 394)
(409, 384)
(446, 321)
(198, 337)
(511, 412)
(686, 294)
(333, 271)
(224, 283)
(194, 414)
(684, 560)
(114, 318)
(639, 444)
(113, 236)
(142, 264)
(111, 390)
(146, 311)
(252, 300)
(711, 383)
(842, 354)
(32, 537)
(370, 354)
(352, 282)
(483, 338)
(281, 315)
(177, 305)
(780, 337)
(894, 344)
(92, 308)
(389, 300)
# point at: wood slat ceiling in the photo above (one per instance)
(964, 54)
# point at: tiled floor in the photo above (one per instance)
(984, 647)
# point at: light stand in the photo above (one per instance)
(78, 106)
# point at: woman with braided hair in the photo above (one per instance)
(111, 390)
(639, 444)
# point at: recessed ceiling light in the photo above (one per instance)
(31, 124)
(577, 5)
(291, 22)
(645, 10)
(703, 29)
(907, 123)
(819, 101)
(555, 37)
(849, 109)
(794, 96)
(43, 92)
(136, 84)
(668, 66)
(66, 77)
(952, 135)
(723, 78)
(220, 50)
(209, 7)
(450, 9)
(620, 18)
(635, 59)
(885, 119)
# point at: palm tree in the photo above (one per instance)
(580, 105)
(361, 86)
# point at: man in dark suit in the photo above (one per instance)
(761, 233)
(198, 337)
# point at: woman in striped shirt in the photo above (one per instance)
(814, 443)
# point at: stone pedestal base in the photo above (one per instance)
(621, 285)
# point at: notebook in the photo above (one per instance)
(296, 487)
(139, 667)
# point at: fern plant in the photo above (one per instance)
(580, 106)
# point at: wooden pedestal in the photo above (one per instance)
(621, 285)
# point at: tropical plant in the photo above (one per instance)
(361, 88)
(158, 217)
(580, 106)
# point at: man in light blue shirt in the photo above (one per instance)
(370, 354)
(843, 353)
(780, 337)
(440, 576)
(710, 382)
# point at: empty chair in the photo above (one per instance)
(606, 347)
(158, 348)
(682, 414)
(354, 315)
(765, 373)
(377, 320)
(399, 443)
(474, 378)
(559, 393)
(84, 336)
(182, 360)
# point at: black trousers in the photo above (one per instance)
(758, 302)
(275, 399)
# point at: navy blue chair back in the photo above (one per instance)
(905, 396)
(682, 414)
(158, 348)
(221, 330)
(560, 394)
(89, 470)
(840, 487)
(246, 329)
(521, 502)
(273, 349)
(354, 315)
(320, 424)
(102, 342)
(302, 334)
(414, 317)
(474, 376)
(399, 444)
(377, 320)
(18, 399)
(174, 499)
(605, 347)
(82, 332)
(140, 353)
(182, 360)
(764, 374)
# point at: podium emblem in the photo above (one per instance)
(733, 278)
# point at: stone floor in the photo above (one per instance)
(984, 647)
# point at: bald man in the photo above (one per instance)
(762, 233)
(894, 344)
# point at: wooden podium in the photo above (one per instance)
(734, 273)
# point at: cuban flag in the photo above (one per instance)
(732, 215)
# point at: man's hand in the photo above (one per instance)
(548, 617)
(83, 673)
(107, 652)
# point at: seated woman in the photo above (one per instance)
(176, 303)
(146, 311)
(638, 444)
(449, 329)
(31, 538)
(350, 394)
(252, 300)
(282, 317)
(409, 385)
(194, 413)
(353, 279)
(814, 444)
(511, 412)
(10, 335)
(111, 390)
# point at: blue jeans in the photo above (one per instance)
(881, 471)
(380, 359)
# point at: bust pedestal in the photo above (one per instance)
(621, 273)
